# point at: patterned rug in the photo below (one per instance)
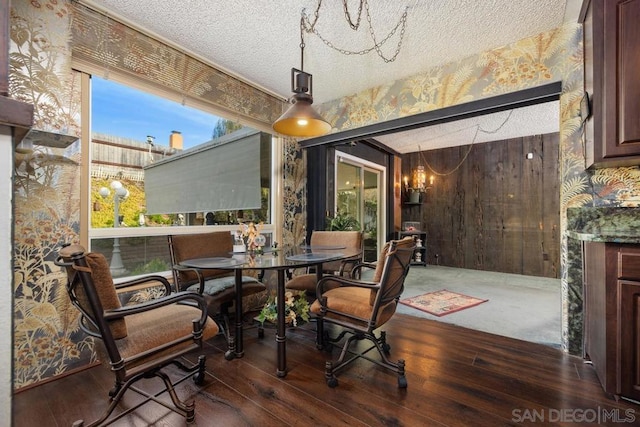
(443, 302)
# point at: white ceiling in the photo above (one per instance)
(258, 40)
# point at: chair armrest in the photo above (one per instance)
(146, 279)
(344, 282)
(353, 262)
(201, 280)
(356, 271)
(176, 297)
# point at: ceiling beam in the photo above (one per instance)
(522, 98)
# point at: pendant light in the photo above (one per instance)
(301, 120)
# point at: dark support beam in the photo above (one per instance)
(508, 101)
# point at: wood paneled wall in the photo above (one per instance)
(498, 211)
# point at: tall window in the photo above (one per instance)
(159, 167)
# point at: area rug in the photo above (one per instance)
(443, 302)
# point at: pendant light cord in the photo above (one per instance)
(302, 44)
(473, 141)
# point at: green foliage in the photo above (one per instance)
(296, 309)
(224, 127)
(342, 222)
(130, 208)
(160, 219)
(152, 266)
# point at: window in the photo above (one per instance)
(137, 136)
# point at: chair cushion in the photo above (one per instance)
(159, 326)
(214, 287)
(103, 282)
(303, 282)
(308, 282)
(355, 302)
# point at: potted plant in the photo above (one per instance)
(296, 309)
(342, 222)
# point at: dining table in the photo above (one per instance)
(280, 260)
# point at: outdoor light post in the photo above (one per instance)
(119, 193)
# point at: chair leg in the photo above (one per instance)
(320, 339)
(330, 378)
(379, 343)
(198, 378)
(186, 409)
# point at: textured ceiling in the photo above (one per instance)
(258, 40)
(533, 120)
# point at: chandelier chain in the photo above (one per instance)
(309, 26)
(347, 15)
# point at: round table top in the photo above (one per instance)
(288, 257)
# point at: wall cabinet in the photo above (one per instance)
(420, 254)
(612, 315)
(612, 58)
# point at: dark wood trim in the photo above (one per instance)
(583, 11)
(17, 115)
(508, 101)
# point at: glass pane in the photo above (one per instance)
(138, 255)
(132, 256)
(348, 191)
(131, 129)
(371, 213)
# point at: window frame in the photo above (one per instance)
(88, 233)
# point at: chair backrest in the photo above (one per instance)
(91, 289)
(393, 266)
(201, 245)
(348, 239)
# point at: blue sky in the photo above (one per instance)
(121, 111)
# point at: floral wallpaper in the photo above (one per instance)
(40, 64)
(294, 195)
(47, 341)
(112, 46)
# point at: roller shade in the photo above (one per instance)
(221, 175)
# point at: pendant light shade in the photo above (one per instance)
(301, 120)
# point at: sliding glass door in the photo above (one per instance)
(359, 194)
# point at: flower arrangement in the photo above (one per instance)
(251, 235)
(296, 309)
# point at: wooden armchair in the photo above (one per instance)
(360, 307)
(348, 239)
(139, 340)
(218, 286)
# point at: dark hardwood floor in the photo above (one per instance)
(456, 376)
